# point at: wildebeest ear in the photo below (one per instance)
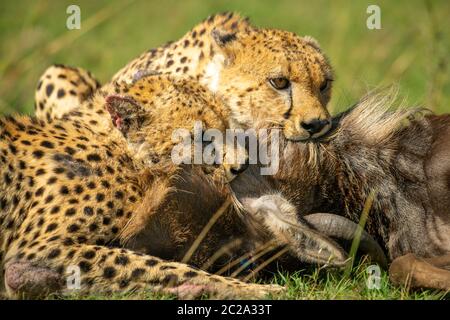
(126, 114)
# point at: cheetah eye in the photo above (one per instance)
(280, 83)
(325, 85)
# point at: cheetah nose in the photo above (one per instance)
(239, 168)
(232, 171)
(314, 126)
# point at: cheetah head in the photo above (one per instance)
(272, 78)
(155, 113)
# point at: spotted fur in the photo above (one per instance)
(62, 89)
(236, 61)
(71, 187)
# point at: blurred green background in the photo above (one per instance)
(411, 49)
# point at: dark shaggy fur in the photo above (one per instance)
(402, 156)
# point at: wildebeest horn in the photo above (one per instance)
(341, 228)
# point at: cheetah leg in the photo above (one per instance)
(115, 270)
(62, 89)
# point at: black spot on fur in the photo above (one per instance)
(121, 260)
(70, 212)
(124, 283)
(22, 165)
(169, 280)
(105, 184)
(73, 228)
(38, 154)
(49, 89)
(190, 274)
(78, 189)
(94, 157)
(51, 227)
(109, 272)
(49, 199)
(64, 190)
(166, 267)
(52, 180)
(119, 195)
(68, 242)
(88, 211)
(58, 170)
(47, 144)
(54, 253)
(39, 192)
(85, 266)
(89, 254)
(100, 197)
(151, 262)
(69, 150)
(137, 273)
(55, 210)
(61, 93)
(106, 221)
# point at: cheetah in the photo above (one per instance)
(69, 192)
(265, 77)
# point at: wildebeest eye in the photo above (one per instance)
(280, 83)
(325, 85)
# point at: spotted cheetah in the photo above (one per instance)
(69, 191)
(264, 76)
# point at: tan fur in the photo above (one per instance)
(62, 89)
(235, 61)
(72, 190)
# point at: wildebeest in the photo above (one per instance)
(403, 157)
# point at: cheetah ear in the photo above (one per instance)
(126, 114)
(222, 38)
(226, 42)
(312, 42)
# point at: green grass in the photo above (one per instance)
(336, 285)
(411, 50)
(313, 285)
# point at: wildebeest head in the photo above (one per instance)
(335, 175)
